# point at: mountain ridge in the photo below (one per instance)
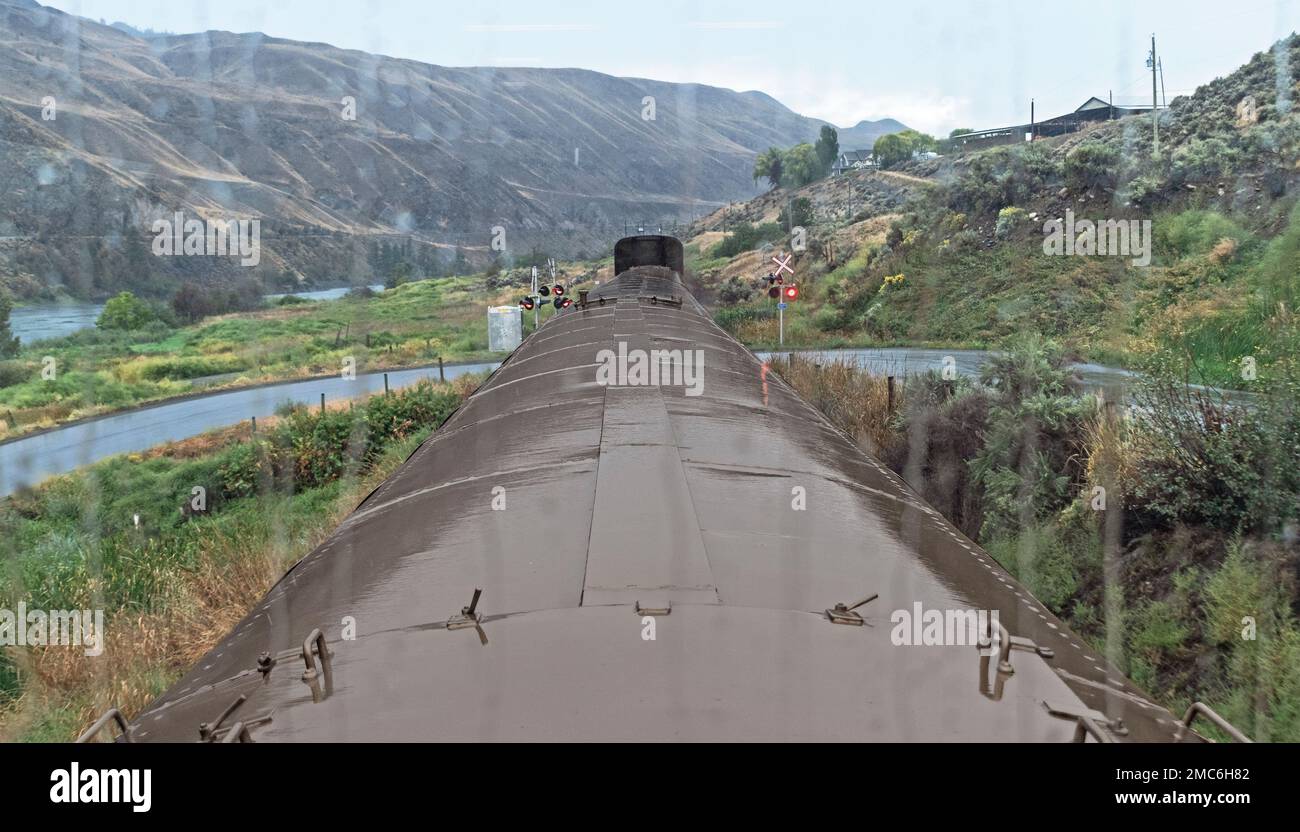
(341, 148)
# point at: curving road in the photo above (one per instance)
(30, 459)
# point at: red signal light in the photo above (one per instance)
(526, 303)
(774, 292)
(791, 292)
(558, 290)
(566, 303)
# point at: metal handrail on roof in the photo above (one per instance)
(1201, 709)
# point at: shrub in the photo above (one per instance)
(1200, 160)
(1145, 190)
(194, 302)
(1091, 165)
(746, 237)
(803, 213)
(732, 317)
(1003, 176)
(1202, 459)
(8, 342)
(1029, 467)
(1008, 219)
(1195, 232)
(126, 312)
(733, 291)
(16, 372)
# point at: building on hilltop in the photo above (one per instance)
(853, 160)
(1092, 110)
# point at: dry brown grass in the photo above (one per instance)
(1110, 447)
(855, 401)
(1224, 250)
(145, 651)
(870, 231)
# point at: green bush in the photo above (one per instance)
(803, 213)
(746, 237)
(1204, 460)
(731, 317)
(192, 367)
(734, 291)
(1009, 219)
(1194, 232)
(1003, 176)
(1201, 160)
(127, 313)
(1028, 468)
(8, 342)
(1091, 165)
(16, 372)
(1248, 615)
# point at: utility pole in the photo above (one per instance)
(1031, 119)
(536, 299)
(1153, 62)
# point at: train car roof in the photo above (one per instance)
(588, 514)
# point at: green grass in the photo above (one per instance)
(97, 372)
(74, 543)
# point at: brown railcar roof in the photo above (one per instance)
(619, 498)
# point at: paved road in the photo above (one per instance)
(29, 460)
(906, 361)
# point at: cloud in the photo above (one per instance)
(928, 113)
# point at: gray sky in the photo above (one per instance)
(934, 66)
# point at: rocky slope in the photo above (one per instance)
(103, 131)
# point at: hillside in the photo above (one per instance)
(1165, 533)
(218, 124)
(964, 244)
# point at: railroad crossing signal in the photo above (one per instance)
(783, 264)
(526, 304)
(785, 293)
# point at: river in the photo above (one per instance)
(55, 320)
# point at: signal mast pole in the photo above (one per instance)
(536, 299)
(1155, 115)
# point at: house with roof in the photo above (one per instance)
(853, 160)
(1092, 110)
